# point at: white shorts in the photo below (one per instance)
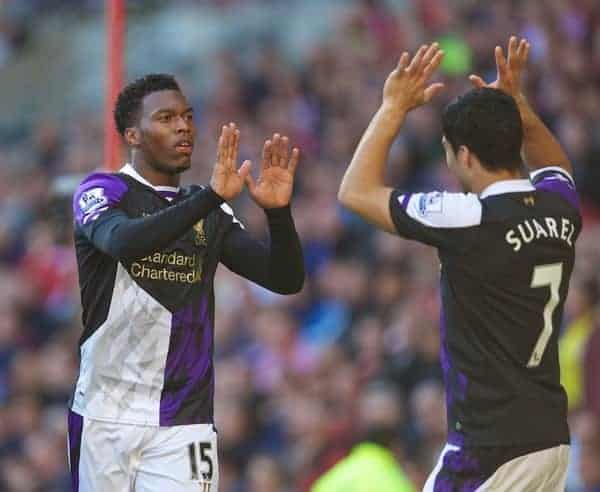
(116, 457)
(460, 470)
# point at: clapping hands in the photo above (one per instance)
(273, 187)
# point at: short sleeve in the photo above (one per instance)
(555, 179)
(433, 218)
(95, 195)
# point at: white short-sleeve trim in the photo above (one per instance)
(507, 186)
(444, 210)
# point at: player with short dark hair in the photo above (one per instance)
(141, 416)
(129, 100)
(488, 121)
(506, 248)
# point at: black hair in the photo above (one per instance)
(487, 121)
(129, 101)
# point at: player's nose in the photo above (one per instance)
(183, 125)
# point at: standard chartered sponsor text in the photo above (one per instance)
(146, 267)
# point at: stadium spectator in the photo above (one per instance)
(574, 340)
(373, 462)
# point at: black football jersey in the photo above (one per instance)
(147, 346)
(506, 259)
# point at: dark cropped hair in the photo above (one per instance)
(487, 121)
(129, 101)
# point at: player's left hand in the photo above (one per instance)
(274, 186)
(509, 71)
(406, 87)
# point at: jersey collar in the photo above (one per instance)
(130, 171)
(507, 186)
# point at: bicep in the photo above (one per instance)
(434, 218)
(101, 228)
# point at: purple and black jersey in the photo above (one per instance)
(147, 257)
(506, 260)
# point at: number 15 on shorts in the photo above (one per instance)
(201, 464)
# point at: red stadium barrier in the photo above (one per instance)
(115, 45)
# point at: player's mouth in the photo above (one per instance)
(184, 147)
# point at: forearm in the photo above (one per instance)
(125, 238)
(363, 184)
(285, 260)
(540, 146)
(279, 266)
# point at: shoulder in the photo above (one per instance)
(551, 173)
(554, 179)
(105, 184)
(442, 209)
(96, 193)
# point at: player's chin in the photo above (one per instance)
(181, 164)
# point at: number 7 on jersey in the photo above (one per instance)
(546, 276)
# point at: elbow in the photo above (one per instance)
(123, 249)
(297, 285)
(349, 199)
(121, 252)
(292, 285)
(352, 192)
(344, 196)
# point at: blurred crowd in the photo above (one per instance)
(354, 356)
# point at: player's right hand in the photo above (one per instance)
(509, 71)
(408, 85)
(227, 180)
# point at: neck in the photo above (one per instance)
(151, 173)
(488, 178)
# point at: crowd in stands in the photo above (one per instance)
(299, 377)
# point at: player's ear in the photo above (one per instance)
(133, 136)
(463, 155)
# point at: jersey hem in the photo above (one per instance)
(139, 423)
(539, 445)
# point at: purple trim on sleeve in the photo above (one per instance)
(405, 200)
(543, 173)
(555, 183)
(97, 193)
(75, 430)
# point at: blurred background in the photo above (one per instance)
(300, 379)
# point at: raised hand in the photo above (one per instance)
(274, 186)
(509, 71)
(406, 87)
(227, 180)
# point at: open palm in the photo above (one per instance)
(273, 188)
(227, 180)
(509, 71)
(408, 85)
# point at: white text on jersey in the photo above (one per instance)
(533, 229)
